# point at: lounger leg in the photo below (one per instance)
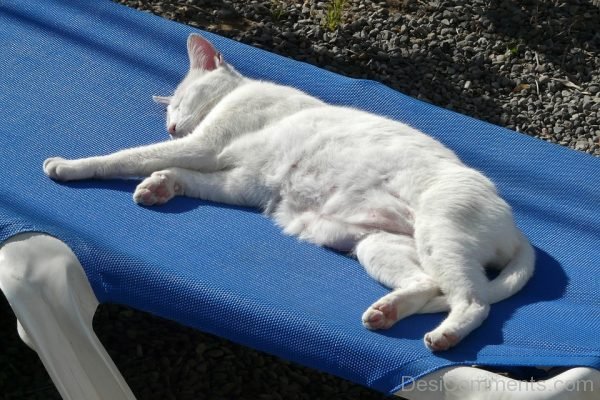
(54, 304)
(24, 336)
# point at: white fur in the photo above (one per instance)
(418, 220)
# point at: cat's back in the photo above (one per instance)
(362, 135)
(288, 124)
(289, 115)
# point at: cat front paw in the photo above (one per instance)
(60, 169)
(156, 189)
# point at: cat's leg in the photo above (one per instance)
(230, 186)
(392, 260)
(452, 254)
(189, 152)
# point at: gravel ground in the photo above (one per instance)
(529, 65)
(532, 66)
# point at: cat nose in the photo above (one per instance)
(171, 129)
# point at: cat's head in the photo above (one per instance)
(208, 79)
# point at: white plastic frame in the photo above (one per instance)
(54, 304)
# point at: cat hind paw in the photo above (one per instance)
(440, 341)
(380, 315)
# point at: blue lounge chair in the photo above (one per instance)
(77, 80)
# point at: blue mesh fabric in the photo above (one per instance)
(77, 80)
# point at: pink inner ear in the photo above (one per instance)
(202, 54)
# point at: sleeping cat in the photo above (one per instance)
(417, 219)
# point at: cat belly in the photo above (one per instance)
(325, 199)
(342, 226)
(392, 220)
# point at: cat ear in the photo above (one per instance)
(202, 54)
(162, 99)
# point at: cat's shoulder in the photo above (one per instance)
(266, 89)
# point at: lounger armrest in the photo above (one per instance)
(49, 292)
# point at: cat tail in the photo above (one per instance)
(510, 280)
(516, 273)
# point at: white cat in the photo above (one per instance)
(417, 219)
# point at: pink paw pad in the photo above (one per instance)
(146, 196)
(441, 343)
(375, 319)
(380, 316)
(154, 190)
(162, 190)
